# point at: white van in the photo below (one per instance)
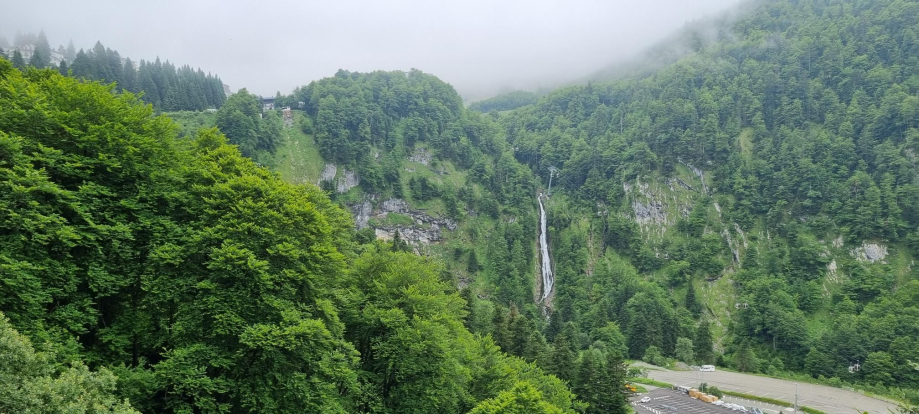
(707, 368)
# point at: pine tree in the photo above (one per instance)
(500, 332)
(613, 399)
(745, 359)
(128, 76)
(520, 333)
(100, 64)
(586, 382)
(37, 61)
(469, 297)
(561, 360)
(473, 264)
(702, 344)
(71, 52)
(63, 69)
(82, 66)
(692, 304)
(399, 245)
(42, 44)
(18, 61)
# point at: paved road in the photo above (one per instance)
(828, 399)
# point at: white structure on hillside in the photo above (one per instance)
(28, 49)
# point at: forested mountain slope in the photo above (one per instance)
(802, 127)
(204, 283)
(758, 193)
(753, 204)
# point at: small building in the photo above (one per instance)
(301, 105)
(286, 113)
(268, 103)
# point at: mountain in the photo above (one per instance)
(749, 201)
(760, 186)
(205, 283)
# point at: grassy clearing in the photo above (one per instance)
(745, 140)
(718, 297)
(298, 160)
(649, 381)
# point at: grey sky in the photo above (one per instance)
(479, 46)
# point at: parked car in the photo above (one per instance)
(707, 368)
(645, 400)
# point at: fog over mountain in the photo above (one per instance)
(480, 47)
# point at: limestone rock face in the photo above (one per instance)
(424, 230)
(870, 252)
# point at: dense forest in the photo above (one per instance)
(205, 284)
(797, 121)
(747, 199)
(164, 85)
(505, 102)
(804, 115)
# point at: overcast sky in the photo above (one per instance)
(480, 46)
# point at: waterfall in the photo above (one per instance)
(548, 279)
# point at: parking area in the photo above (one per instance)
(666, 401)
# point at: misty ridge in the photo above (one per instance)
(482, 49)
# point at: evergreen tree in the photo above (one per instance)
(692, 304)
(42, 45)
(745, 359)
(71, 52)
(473, 265)
(613, 399)
(702, 344)
(562, 358)
(521, 333)
(587, 383)
(37, 60)
(500, 329)
(683, 351)
(82, 66)
(17, 60)
(128, 76)
(399, 245)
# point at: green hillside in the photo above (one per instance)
(748, 199)
(770, 172)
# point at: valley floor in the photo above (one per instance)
(824, 398)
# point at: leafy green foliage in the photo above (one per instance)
(32, 384)
(242, 121)
(205, 282)
(505, 102)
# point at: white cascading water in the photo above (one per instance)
(548, 279)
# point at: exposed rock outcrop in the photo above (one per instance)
(347, 181)
(421, 156)
(343, 182)
(870, 252)
(425, 229)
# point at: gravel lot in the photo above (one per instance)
(828, 399)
